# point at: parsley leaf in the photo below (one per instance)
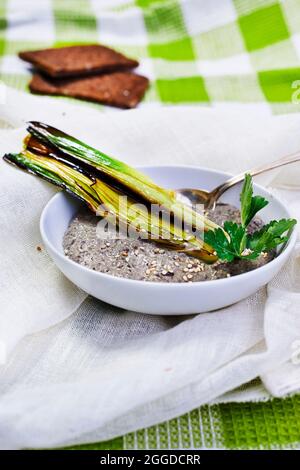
(271, 235)
(227, 249)
(223, 247)
(235, 243)
(250, 204)
(237, 234)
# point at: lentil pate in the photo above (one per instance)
(143, 260)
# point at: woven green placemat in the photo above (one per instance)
(237, 51)
(274, 424)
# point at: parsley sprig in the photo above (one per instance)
(237, 243)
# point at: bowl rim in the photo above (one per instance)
(285, 251)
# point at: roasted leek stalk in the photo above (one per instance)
(100, 181)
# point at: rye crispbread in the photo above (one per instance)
(121, 89)
(77, 60)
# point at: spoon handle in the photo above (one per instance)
(219, 190)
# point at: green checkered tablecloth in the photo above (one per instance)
(198, 52)
(195, 51)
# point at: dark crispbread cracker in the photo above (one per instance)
(121, 89)
(77, 60)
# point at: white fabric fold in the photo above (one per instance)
(102, 372)
(285, 379)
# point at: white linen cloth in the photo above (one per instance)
(103, 372)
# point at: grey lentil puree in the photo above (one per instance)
(142, 260)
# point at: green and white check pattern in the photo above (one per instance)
(195, 51)
(215, 52)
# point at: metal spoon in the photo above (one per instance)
(209, 198)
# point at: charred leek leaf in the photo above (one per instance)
(121, 174)
(100, 180)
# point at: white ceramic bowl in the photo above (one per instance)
(158, 297)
